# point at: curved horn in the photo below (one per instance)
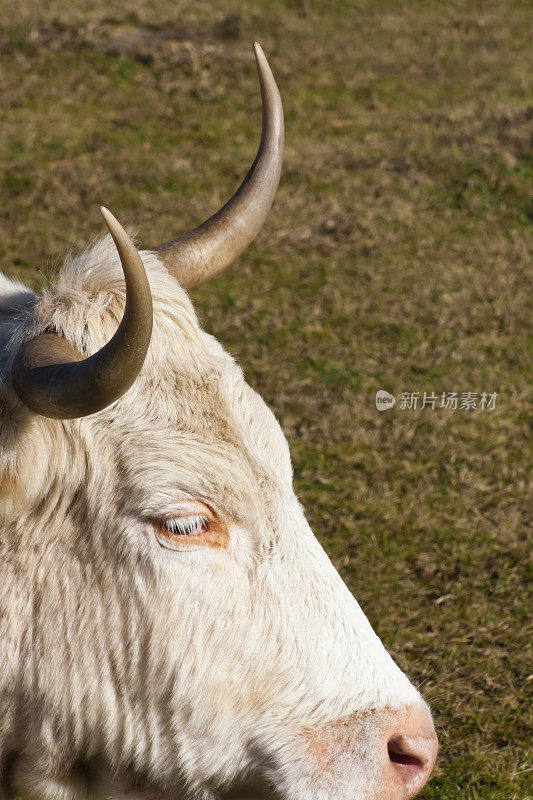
(198, 255)
(53, 379)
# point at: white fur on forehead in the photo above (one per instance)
(188, 381)
(86, 304)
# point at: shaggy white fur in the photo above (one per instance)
(128, 670)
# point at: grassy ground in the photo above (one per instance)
(396, 257)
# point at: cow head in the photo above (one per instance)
(173, 627)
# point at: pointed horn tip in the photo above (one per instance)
(263, 67)
(259, 53)
(114, 227)
(109, 218)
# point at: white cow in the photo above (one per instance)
(169, 625)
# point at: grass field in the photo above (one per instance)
(396, 256)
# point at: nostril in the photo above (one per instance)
(413, 759)
(397, 756)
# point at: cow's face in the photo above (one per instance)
(209, 646)
(216, 640)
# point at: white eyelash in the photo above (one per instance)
(186, 526)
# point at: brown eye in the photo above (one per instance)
(190, 530)
(187, 526)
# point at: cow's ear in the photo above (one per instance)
(15, 300)
(16, 307)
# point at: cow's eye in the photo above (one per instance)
(178, 532)
(192, 525)
(187, 526)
